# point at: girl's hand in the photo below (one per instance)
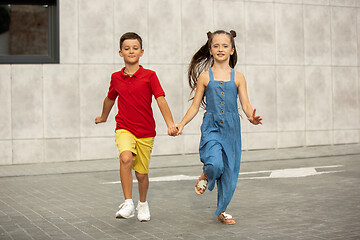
(172, 130)
(179, 128)
(99, 120)
(255, 119)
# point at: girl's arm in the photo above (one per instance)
(244, 100)
(166, 113)
(194, 108)
(108, 104)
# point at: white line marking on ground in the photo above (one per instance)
(276, 173)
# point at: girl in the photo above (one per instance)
(220, 144)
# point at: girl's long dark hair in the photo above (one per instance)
(202, 60)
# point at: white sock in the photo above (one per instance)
(129, 201)
(142, 203)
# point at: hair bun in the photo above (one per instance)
(233, 33)
(209, 34)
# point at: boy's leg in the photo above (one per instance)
(141, 164)
(126, 160)
(126, 209)
(143, 211)
(143, 183)
(125, 142)
(141, 167)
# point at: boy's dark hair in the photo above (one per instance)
(130, 35)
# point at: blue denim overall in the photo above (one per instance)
(220, 144)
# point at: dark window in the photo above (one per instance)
(29, 31)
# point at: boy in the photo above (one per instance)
(135, 124)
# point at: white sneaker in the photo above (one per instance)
(127, 210)
(143, 212)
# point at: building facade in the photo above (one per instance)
(301, 59)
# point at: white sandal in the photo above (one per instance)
(202, 184)
(225, 218)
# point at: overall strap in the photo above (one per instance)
(232, 77)
(211, 75)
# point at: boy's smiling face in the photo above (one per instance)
(131, 51)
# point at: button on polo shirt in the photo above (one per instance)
(134, 100)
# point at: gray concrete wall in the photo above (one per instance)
(300, 58)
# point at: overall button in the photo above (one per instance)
(222, 111)
(222, 103)
(221, 83)
(222, 122)
(222, 93)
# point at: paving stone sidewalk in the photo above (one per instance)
(304, 193)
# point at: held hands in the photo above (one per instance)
(172, 130)
(255, 119)
(175, 129)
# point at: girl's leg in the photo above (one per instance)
(126, 159)
(225, 190)
(227, 183)
(143, 183)
(213, 164)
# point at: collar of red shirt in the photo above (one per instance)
(136, 74)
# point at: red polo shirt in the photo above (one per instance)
(134, 100)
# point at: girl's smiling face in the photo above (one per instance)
(221, 47)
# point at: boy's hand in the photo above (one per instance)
(99, 120)
(255, 119)
(172, 130)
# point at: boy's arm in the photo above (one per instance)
(108, 104)
(166, 113)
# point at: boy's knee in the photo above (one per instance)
(126, 158)
(140, 176)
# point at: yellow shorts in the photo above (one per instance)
(140, 147)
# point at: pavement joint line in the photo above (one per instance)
(107, 165)
(275, 173)
(178, 166)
